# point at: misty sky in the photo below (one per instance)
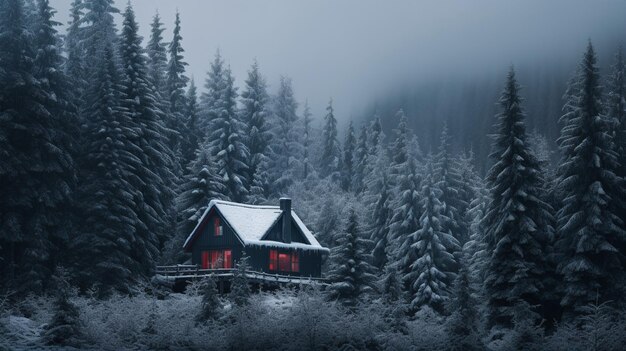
(356, 50)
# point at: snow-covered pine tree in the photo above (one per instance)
(431, 274)
(175, 84)
(240, 288)
(616, 110)
(415, 150)
(97, 28)
(399, 149)
(211, 97)
(476, 247)
(462, 326)
(156, 50)
(261, 186)
(448, 178)
(306, 143)
(253, 114)
(590, 189)
(405, 221)
(198, 188)
(379, 226)
(347, 164)
(352, 276)
(74, 66)
(330, 161)
(225, 144)
(375, 135)
(468, 179)
(391, 285)
(195, 136)
(153, 177)
(517, 222)
(36, 168)
(65, 327)
(104, 245)
(286, 149)
(59, 103)
(210, 300)
(360, 161)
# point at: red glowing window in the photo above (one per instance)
(217, 228)
(216, 259)
(284, 262)
(205, 259)
(295, 264)
(273, 260)
(228, 259)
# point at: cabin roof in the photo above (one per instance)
(251, 222)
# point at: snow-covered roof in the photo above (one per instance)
(251, 222)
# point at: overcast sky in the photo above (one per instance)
(356, 50)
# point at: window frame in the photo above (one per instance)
(218, 229)
(284, 261)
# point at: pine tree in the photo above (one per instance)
(152, 178)
(448, 178)
(361, 161)
(347, 165)
(36, 165)
(391, 285)
(97, 29)
(107, 196)
(375, 135)
(399, 149)
(198, 188)
(211, 97)
(405, 221)
(476, 247)
(210, 300)
(225, 145)
(240, 289)
(616, 110)
(74, 65)
(379, 227)
(157, 57)
(517, 222)
(59, 103)
(65, 327)
(352, 276)
(430, 276)
(468, 179)
(331, 154)
(195, 135)
(175, 90)
(286, 151)
(589, 187)
(257, 132)
(462, 325)
(306, 144)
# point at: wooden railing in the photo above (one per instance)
(194, 272)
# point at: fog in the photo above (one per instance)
(359, 51)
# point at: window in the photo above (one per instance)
(273, 260)
(205, 259)
(215, 259)
(217, 227)
(295, 264)
(284, 261)
(228, 259)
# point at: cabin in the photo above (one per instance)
(273, 237)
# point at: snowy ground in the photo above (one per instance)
(279, 321)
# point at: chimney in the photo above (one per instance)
(285, 206)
